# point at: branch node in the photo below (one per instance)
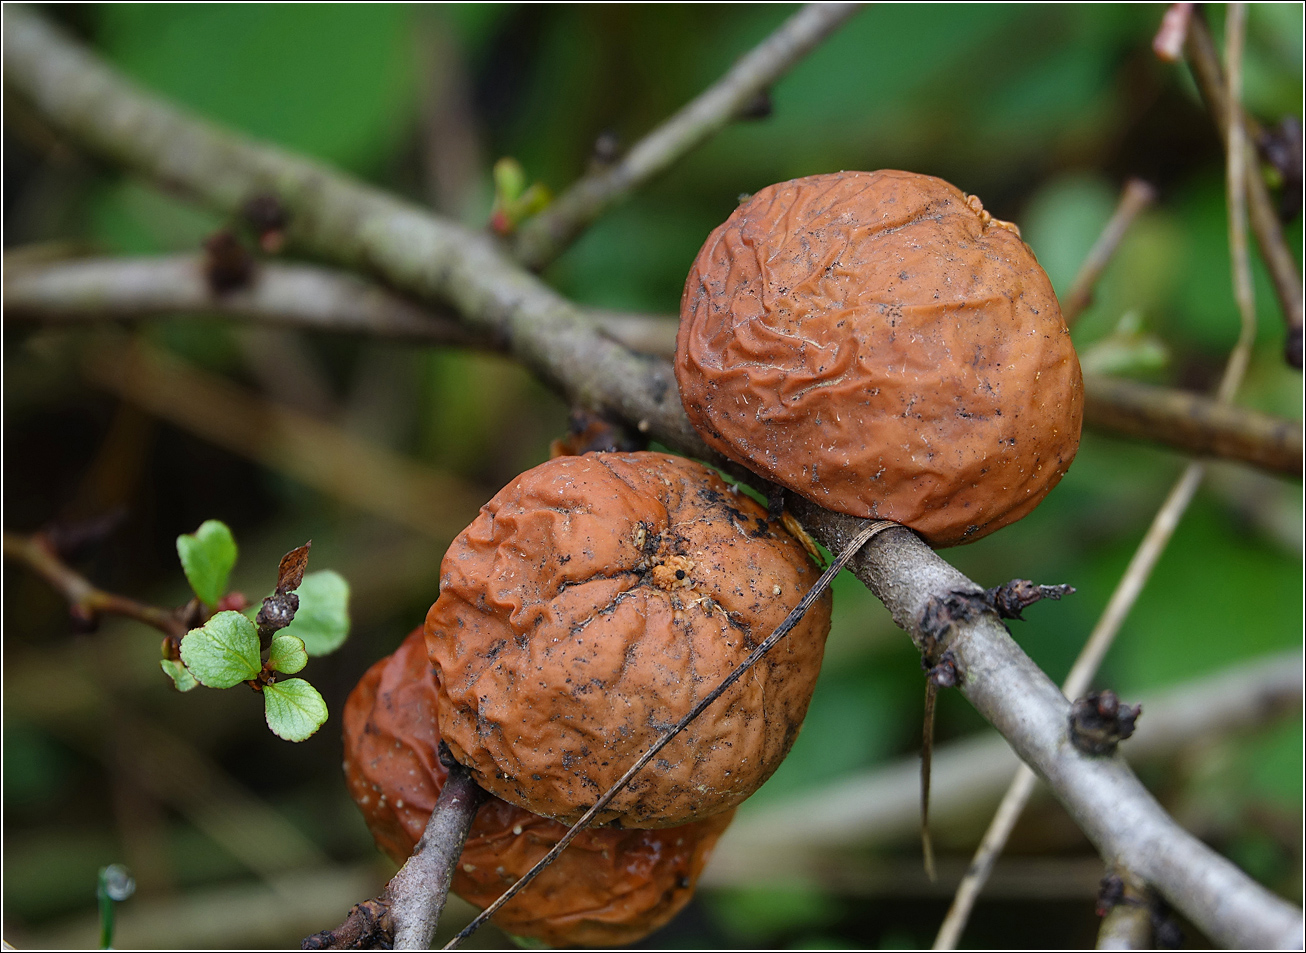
(228, 265)
(366, 928)
(1099, 721)
(946, 673)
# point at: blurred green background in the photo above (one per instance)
(1044, 112)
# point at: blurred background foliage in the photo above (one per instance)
(1042, 111)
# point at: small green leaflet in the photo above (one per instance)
(293, 708)
(287, 654)
(223, 652)
(180, 675)
(322, 620)
(207, 556)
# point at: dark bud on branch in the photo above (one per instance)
(279, 609)
(607, 149)
(1281, 147)
(760, 106)
(268, 217)
(1010, 599)
(946, 673)
(1099, 721)
(228, 265)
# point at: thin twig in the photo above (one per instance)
(867, 532)
(546, 236)
(435, 260)
(1236, 196)
(85, 600)
(1205, 64)
(291, 295)
(1137, 195)
(89, 291)
(311, 297)
(1168, 44)
(1158, 534)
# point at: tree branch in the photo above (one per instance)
(1136, 196)
(1193, 423)
(310, 297)
(1205, 64)
(437, 261)
(407, 913)
(547, 235)
(85, 600)
(882, 805)
(293, 295)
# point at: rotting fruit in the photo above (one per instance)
(879, 344)
(587, 609)
(610, 886)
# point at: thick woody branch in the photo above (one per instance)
(310, 297)
(547, 235)
(1193, 423)
(436, 261)
(407, 913)
(1108, 802)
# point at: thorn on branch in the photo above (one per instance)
(1099, 721)
(1010, 599)
(228, 265)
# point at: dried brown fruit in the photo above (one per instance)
(878, 343)
(610, 886)
(587, 609)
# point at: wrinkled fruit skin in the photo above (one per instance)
(587, 609)
(877, 343)
(608, 887)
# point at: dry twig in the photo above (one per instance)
(547, 235)
(1205, 64)
(1137, 196)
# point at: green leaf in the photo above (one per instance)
(223, 652)
(207, 555)
(287, 654)
(180, 674)
(322, 620)
(509, 180)
(294, 709)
